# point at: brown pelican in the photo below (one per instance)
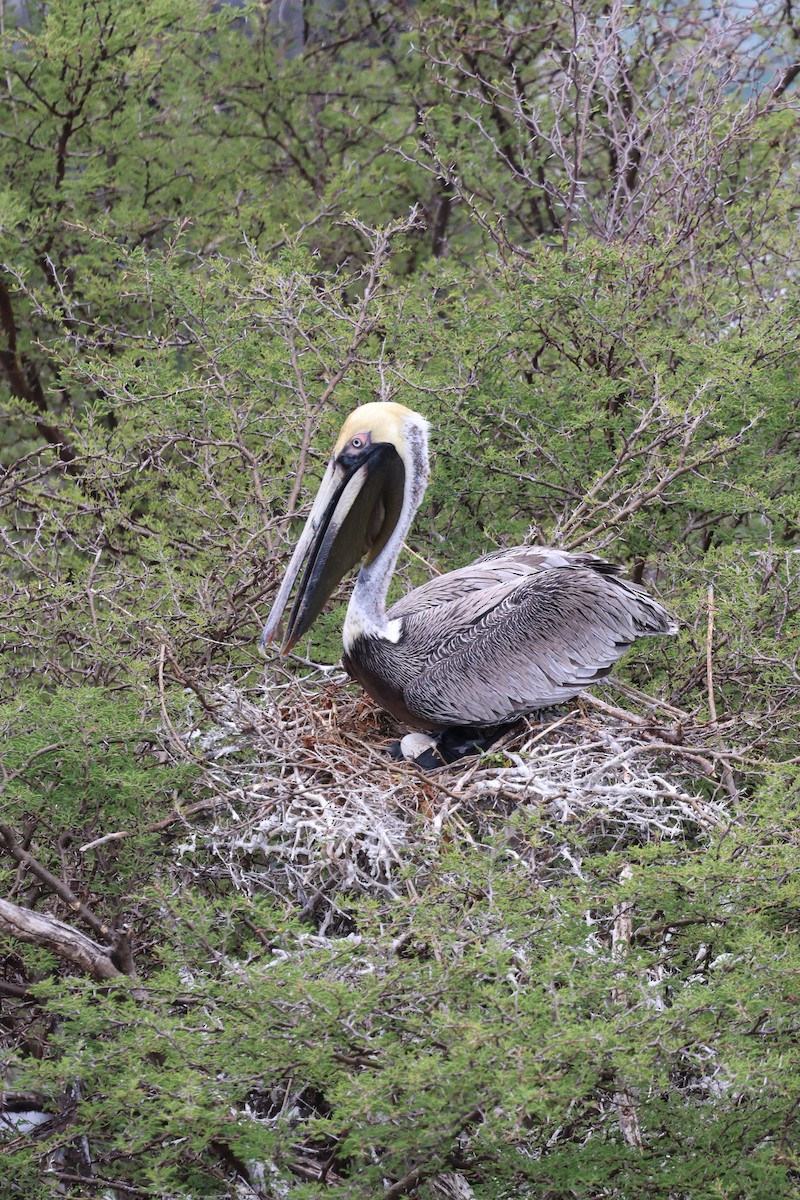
(476, 649)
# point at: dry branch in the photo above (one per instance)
(51, 882)
(121, 947)
(621, 936)
(60, 939)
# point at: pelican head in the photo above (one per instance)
(369, 492)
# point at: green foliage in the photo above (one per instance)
(83, 763)
(568, 236)
(495, 1009)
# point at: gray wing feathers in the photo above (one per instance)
(501, 566)
(520, 630)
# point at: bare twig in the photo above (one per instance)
(52, 882)
(727, 774)
(712, 708)
(120, 935)
(621, 935)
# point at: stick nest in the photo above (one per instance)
(308, 806)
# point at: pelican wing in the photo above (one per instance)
(511, 566)
(516, 631)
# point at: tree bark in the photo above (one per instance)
(58, 938)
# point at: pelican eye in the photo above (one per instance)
(358, 443)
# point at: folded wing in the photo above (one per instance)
(519, 630)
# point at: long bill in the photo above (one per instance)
(353, 514)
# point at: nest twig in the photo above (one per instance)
(314, 809)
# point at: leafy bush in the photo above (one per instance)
(568, 236)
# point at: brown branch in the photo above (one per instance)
(445, 208)
(621, 936)
(786, 80)
(8, 776)
(52, 882)
(24, 380)
(120, 948)
(712, 708)
(16, 990)
(727, 774)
